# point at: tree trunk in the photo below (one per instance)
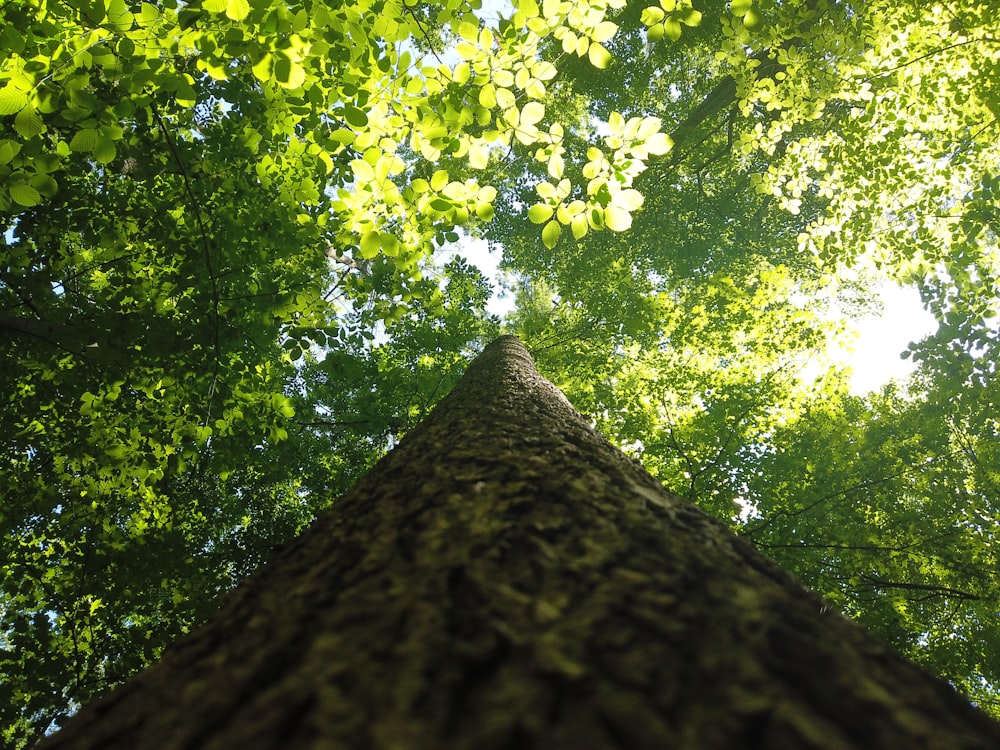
(505, 578)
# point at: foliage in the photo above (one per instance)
(897, 522)
(225, 287)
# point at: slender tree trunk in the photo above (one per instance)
(505, 578)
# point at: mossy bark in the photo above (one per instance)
(505, 578)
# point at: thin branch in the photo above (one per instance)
(942, 590)
(195, 207)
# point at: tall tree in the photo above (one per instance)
(224, 288)
(507, 578)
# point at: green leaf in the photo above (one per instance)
(343, 136)
(105, 150)
(85, 140)
(8, 150)
(355, 117)
(28, 124)
(24, 195)
(388, 244)
(740, 7)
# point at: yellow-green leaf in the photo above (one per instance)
(237, 9)
(752, 20)
(288, 73)
(528, 7)
(550, 235)
(461, 73)
(439, 179)
(468, 31)
(543, 70)
(651, 15)
(629, 199)
(535, 89)
(118, 15)
(691, 17)
(540, 213)
(532, 112)
(8, 150)
(262, 68)
(659, 143)
(604, 31)
(488, 96)
(617, 219)
(599, 57)
(479, 156)
(363, 171)
(12, 99)
(370, 245)
(485, 211)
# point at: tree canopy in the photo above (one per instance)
(232, 277)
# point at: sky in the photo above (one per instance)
(873, 356)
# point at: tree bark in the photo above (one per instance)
(505, 578)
